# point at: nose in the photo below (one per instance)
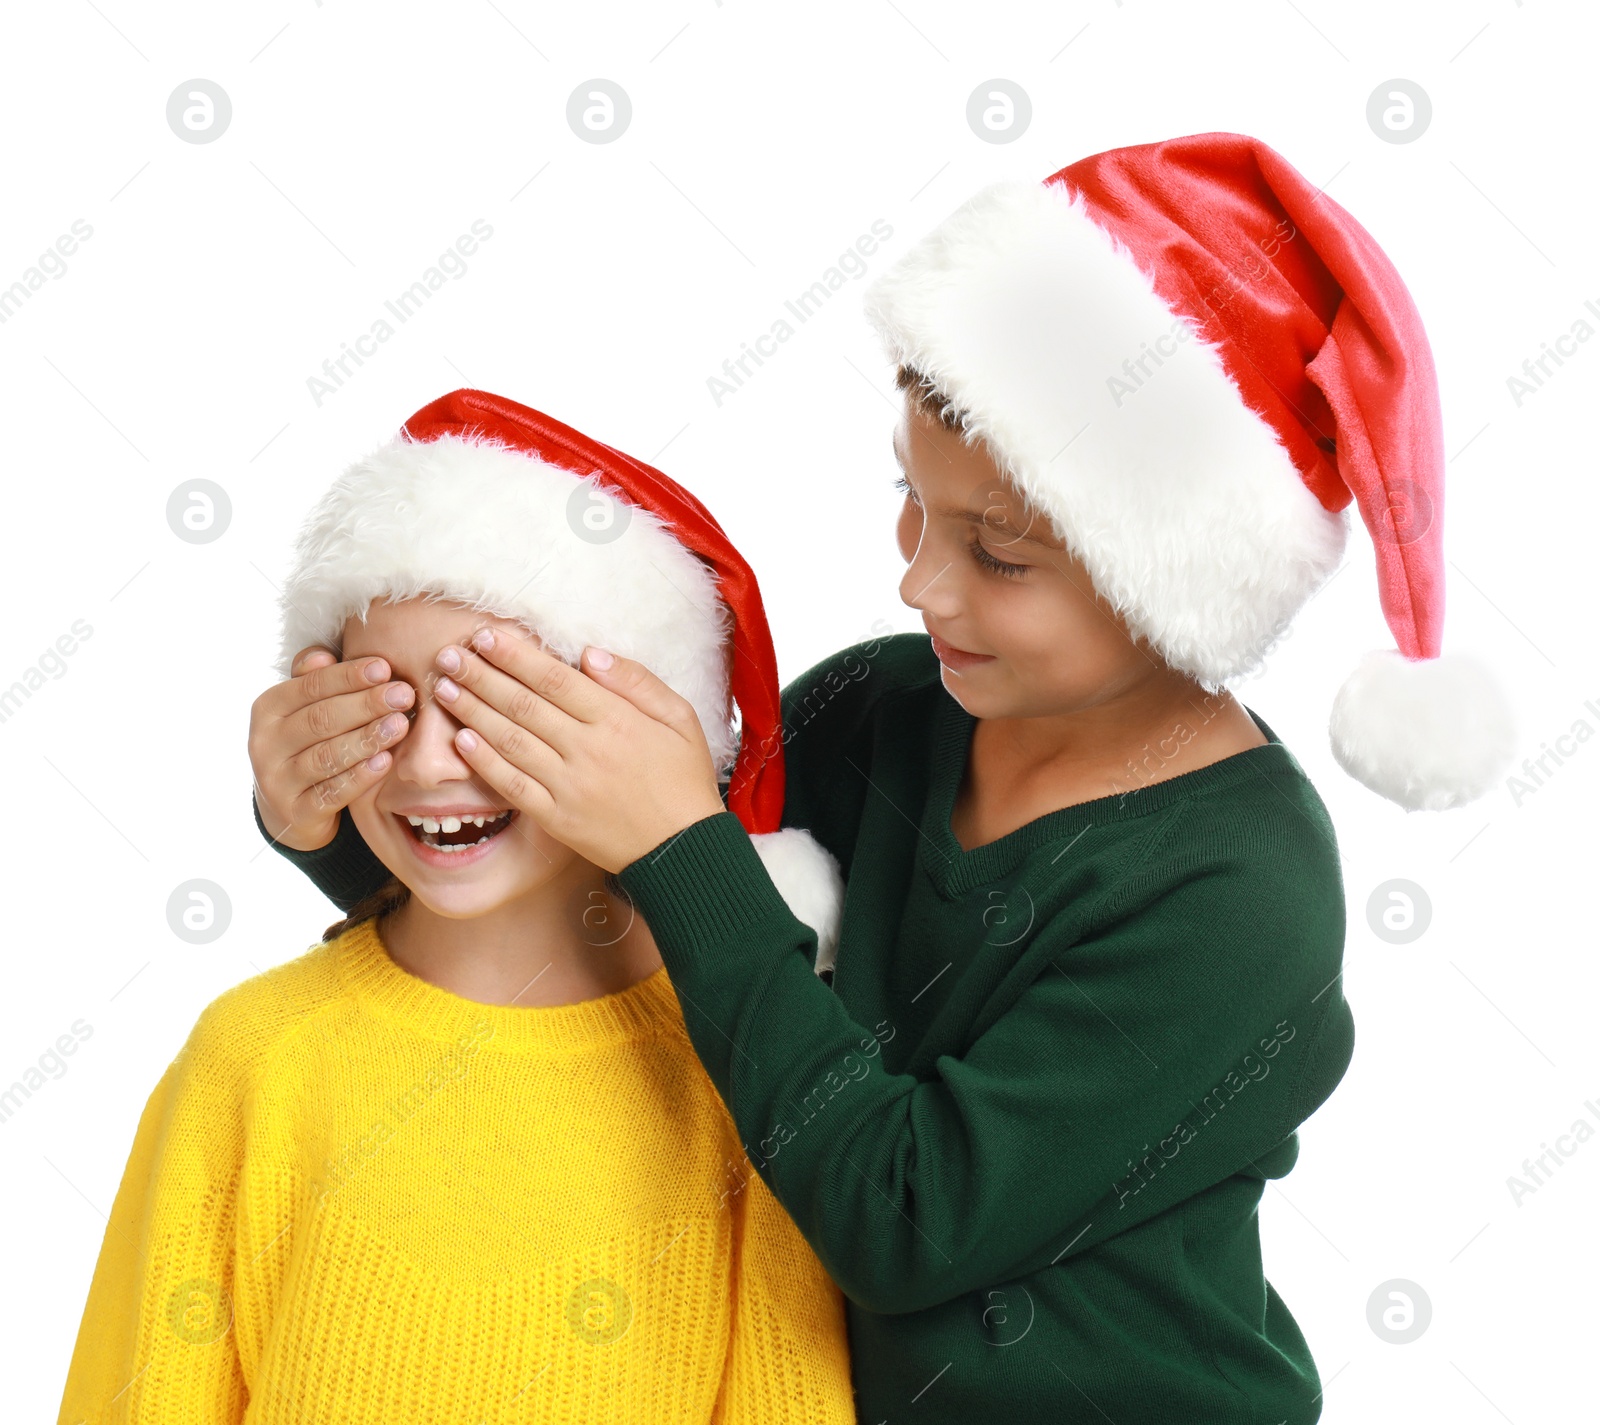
(427, 755)
(929, 584)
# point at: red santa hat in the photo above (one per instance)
(484, 502)
(1191, 361)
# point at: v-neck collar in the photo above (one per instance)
(955, 871)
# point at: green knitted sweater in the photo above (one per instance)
(1028, 1124)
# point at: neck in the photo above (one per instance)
(1019, 768)
(1165, 711)
(563, 942)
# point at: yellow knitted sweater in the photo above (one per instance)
(355, 1198)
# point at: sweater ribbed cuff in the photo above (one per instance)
(703, 888)
(345, 870)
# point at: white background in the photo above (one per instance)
(765, 139)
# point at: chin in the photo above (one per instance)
(465, 902)
(469, 893)
(976, 699)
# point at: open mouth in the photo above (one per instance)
(459, 833)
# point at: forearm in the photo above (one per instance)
(918, 1177)
(878, 1169)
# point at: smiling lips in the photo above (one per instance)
(954, 658)
(446, 834)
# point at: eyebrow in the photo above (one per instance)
(972, 517)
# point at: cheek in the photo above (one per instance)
(1015, 620)
(385, 837)
(1065, 642)
(539, 850)
(370, 822)
(529, 861)
(1032, 621)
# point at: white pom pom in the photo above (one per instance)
(1430, 734)
(808, 878)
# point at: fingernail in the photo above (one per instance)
(599, 658)
(467, 739)
(449, 660)
(392, 726)
(378, 761)
(377, 671)
(398, 696)
(445, 690)
(482, 639)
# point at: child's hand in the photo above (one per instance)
(319, 739)
(611, 764)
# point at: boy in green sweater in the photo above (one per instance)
(1087, 975)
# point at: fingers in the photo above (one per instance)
(324, 768)
(308, 658)
(523, 661)
(343, 716)
(527, 794)
(330, 796)
(320, 738)
(315, 679)
(632, 680)
(478, 689)
(521, 751)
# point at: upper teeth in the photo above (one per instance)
(450, 823)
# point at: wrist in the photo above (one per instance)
(704, 887)
(667, 829)
(692, 810)
(297, 838)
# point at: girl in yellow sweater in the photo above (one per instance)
(459, 1162)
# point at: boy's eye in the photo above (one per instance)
(904, 487)
(995, 566)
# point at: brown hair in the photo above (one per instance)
(936, 405)
(391, 895)
(929, 399)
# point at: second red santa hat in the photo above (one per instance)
(1192, 361)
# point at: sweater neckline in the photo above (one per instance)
(370, 973)
(955, 871)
